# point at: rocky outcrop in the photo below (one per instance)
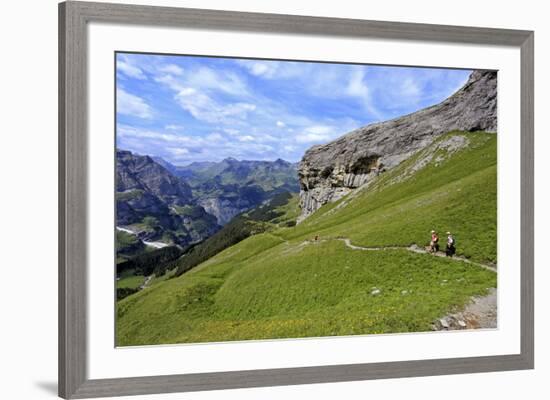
(224, 209)
(328, 172)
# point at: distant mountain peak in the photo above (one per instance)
(229, 187)
(122, 152)
(224, 189)
(167, 165)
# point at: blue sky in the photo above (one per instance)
(186, 108)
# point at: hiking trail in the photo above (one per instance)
(412, 248)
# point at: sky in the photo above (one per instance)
(187, 108)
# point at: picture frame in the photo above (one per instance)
(74, 18)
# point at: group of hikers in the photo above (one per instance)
(434, 244)
(450, 249)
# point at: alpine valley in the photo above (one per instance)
(334, 245)
(159, 204)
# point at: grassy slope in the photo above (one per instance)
(276, 285)
(281, 210)
(456, 194)
(130, 282)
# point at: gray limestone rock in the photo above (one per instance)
(328, 172)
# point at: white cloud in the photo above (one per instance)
(214, 137)
(231, 131)
(260, 69)
(177, 151)
(316, 134)
(129, 69)
(204, 108)
(275, 69)
(126, 131)
(320, 80)
(170, 81)
(245, 138)
(320, 129)
(311, 138)
(217, 80)
(205, 79)
(264, 69)
(232, 110)
(129, 104)
(174, 127)
(180, 148)
(171, 69)
(194, 93)
(358, 88)
(266, 137)
(324, 81)
(410, 89)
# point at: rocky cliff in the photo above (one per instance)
(328, 172)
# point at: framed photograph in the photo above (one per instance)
(256, 200)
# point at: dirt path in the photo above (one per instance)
(415, 249)
(481, 313)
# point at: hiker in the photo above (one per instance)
(450, 250)
(434, 243)
(316, 237)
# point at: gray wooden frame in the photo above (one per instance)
(73, 172)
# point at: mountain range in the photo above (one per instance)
(166, 204)
(156, 205)
(229, 187)
(356, 263)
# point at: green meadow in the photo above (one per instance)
(283, 284)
